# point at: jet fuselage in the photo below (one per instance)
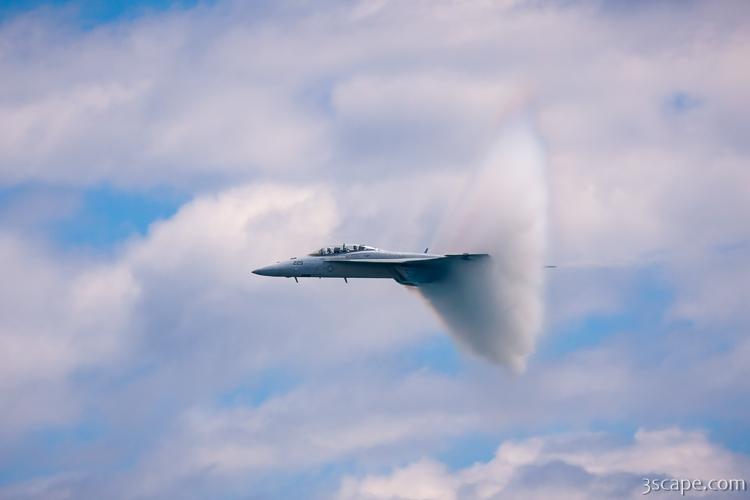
(359, 261)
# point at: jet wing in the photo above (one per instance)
(415, 271)
(383, 261)
(412, 260)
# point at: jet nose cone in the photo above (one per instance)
(272, 270)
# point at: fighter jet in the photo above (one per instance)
(362, 261)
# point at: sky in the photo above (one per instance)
(152, 153)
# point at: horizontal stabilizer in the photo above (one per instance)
(468, 256)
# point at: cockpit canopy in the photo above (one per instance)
(343, 248)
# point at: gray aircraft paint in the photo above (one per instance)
(360, 261)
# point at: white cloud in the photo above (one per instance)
(581, 466)
(161, 297)
(56, 319)
(188, 98)
(305, 428)
(365, 118)
(375, 416)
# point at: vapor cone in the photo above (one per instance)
(494, 307)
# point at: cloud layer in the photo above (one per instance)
(159, 367)
(585, 466)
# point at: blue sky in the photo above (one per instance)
(95, 12)
(152, 153)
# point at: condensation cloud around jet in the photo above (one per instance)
(495, 307)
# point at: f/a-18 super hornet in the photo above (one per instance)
(362, 261)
